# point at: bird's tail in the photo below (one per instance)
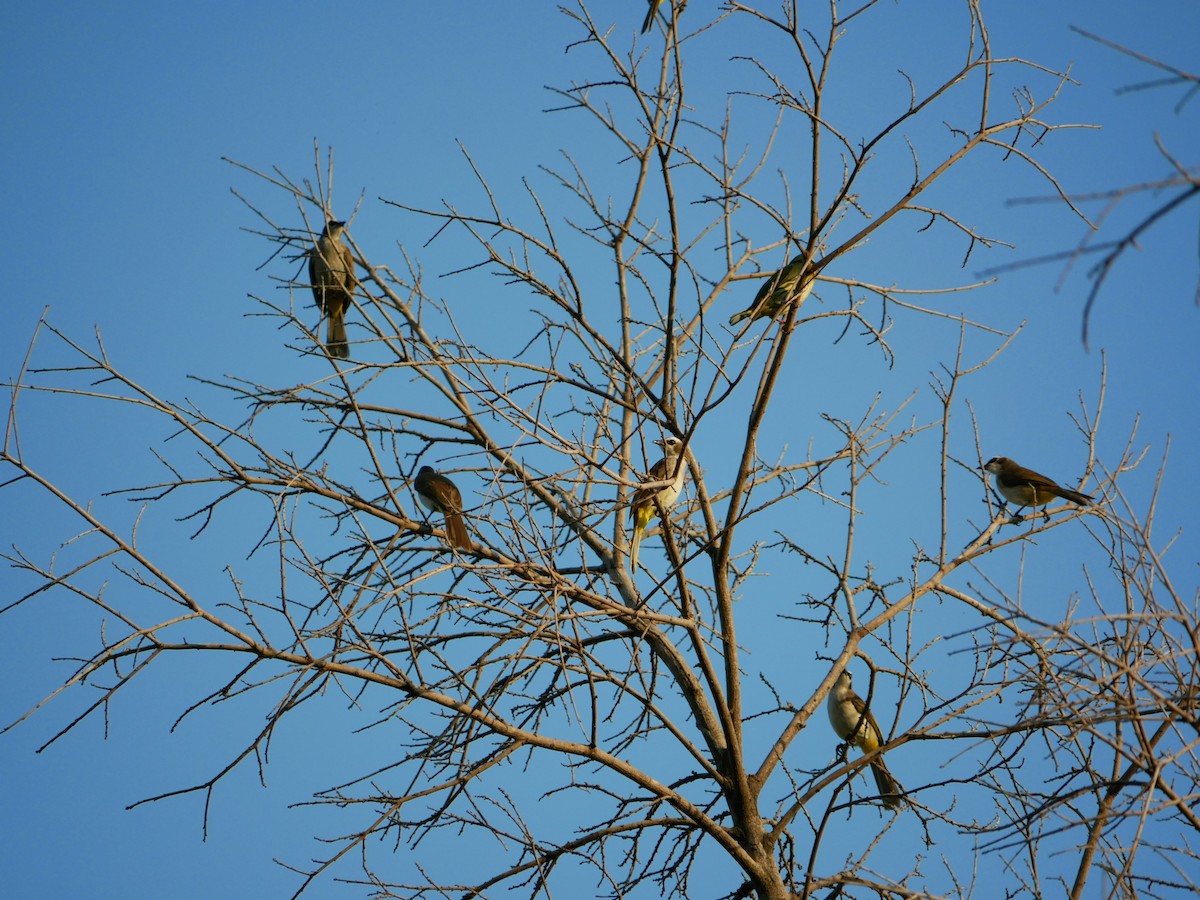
(1076, 497)
(649, 23)
(889, 788)
(335, 340)
(737, 317)
(641, 516)
(456, 532)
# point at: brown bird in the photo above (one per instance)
(846, 710)
(438, 493)
(331, 274)
(644, 507)
(793, 282)
(1027, 487)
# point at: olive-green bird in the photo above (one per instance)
(794, 282)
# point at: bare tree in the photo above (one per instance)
(1162, 196)
(534, 678)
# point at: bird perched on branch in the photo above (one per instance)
(794, 282)
(1027, 487)
(855, 724)
(331, 274)
(655, 494)
(438, 493)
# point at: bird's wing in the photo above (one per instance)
(347, 265)
(860, 707)
(448, 495)
(1032, 478)
(658, 472)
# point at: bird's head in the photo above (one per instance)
(997, 464)
(671, 445)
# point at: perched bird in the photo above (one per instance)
(646, 500)
(437, 492)
(331, 274)
(649, 23)
(792, 282)
(846, 714)
(1027, 487)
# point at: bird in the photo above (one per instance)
(793, 282)
(846, 715)
(1027, 487)
(331, 274)
(438, 493)
(647, 500)
(649, 23)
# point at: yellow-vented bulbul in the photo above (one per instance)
(646, 500)
(331, 274)
(846, 713)
(438, 493)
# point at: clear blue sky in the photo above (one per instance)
(116, 118)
